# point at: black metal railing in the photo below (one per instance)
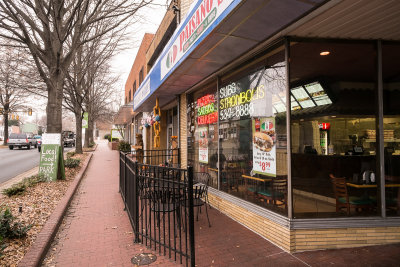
(165, 157)
(159, 203)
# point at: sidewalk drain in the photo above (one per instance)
(143, 259)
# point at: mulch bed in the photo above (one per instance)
(37, 203)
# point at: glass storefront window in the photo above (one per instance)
(333, 129)
(202, 114)
(334, 139)
(252, 135)
(391, 126)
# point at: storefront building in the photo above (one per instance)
(278, 100)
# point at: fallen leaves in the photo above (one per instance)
(37, 203)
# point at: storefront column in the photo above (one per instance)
(288, 131)
(379, 126)
(183, 130)
(218, 148)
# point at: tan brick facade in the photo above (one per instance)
(183, 129)
(309, 239)
(343, 238)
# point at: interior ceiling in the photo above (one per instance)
(346, 62)
(355, 19)
(254, 21)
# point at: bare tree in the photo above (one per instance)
(53, 31)
(87, 65)
(99, 101)
(12, 95)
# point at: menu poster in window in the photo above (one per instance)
(264, 146)
(203, 144)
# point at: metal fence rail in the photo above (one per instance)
(159, 203)
(166, 157)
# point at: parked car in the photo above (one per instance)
(68, 138)
(21, 140)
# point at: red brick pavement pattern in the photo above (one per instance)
(385, 255)
(228, 243)
(96, 230)
(42, 242)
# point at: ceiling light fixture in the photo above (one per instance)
(324, 53)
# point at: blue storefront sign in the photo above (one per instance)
(204, 16)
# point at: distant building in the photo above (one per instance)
(102, 128)
(30, 128)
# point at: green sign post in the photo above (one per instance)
(51, 158)
(85, 121)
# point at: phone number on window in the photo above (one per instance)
(236, 112)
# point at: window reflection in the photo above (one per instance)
(202, 114)
(253, 137)
(391, 126)
(333, 130)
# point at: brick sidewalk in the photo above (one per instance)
(96, 232)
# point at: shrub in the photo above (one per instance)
(16, 189)
(70, 154)
(34, 180)
(92, 144)
(20, 187)
(2, 246)
(115, 140)
(71, 163)
(107, 136)
(9, 228)
(124, 146)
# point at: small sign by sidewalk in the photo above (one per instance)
(51, 157)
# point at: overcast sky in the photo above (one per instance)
(150, 20)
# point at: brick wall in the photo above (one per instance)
(183, 129)
(343, 238)
(185, 4)
(140, 61)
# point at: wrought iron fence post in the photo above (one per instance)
(125, 178)
(136, 202)
(120, 167)
(191, 216)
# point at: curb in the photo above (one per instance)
(37, 252)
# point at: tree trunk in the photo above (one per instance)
(78, 126)
(91, 132)
(89, 129)
(5, 116)
(54, 104)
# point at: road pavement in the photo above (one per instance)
(16, 161)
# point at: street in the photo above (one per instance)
(17, 161)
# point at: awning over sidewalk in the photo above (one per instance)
(124, 115)
(214, 33)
